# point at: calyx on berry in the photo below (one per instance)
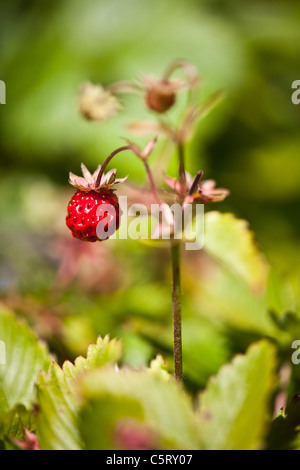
(89, 182)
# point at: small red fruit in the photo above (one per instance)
(93, 212)
(83, 214)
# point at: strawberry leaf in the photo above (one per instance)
(284, 433)
(158, 406)
(58, 399)
(22, 358)
(230, 241)
(235, 408)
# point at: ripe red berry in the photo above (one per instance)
(84, 216)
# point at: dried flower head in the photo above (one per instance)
(96, 103)
(89, 181)
(161, 94)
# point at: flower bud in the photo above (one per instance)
(161, 97)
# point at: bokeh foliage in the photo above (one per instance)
(232, 294)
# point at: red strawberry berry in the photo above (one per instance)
(93, 212)
(83, 214)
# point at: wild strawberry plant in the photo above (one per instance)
(98, 401)
(160, 95)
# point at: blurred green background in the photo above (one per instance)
(250, 144)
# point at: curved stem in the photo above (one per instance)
(124, 87)
(108, 159)
(151, 181)
(188, 68)
(176, 298)
(191, 74)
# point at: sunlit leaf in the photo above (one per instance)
(235, 408)
(58, 400)
(284, 433)
(161, 406)
(229, 240)
(24, 357)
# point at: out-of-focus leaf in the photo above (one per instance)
(58, 401)
(101, 419)
(284, 432)
(14, 421)
(289, 322)
(164, 408)
(235, 406)
(224, 296)
(229, 240)
(24, 357)
(280, 294)
(204, 346)
(159, 368)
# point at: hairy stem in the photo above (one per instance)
(176, 298)
(176, 287)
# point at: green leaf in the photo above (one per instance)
(13, 422)
(159, 368)
(235, 407)
(226, 297)
(58, 400)
(204, 347)
(160, 405)
(284, 433)
(288, 322)
(231, 242)
(24, 357)
(103, 418)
